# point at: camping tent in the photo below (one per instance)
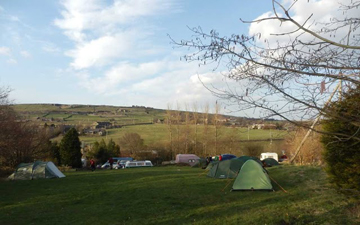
(252, 177)
(190, 159)
(36, 170)
(269, 162)
(228, 168)
(201, 163)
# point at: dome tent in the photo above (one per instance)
(252, 177)
(269, 162)
(229, 168)
(36, 170)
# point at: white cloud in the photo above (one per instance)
(103, 33)
(5, 51)
(101, 51)
(50, 47)
(112, 47)
(84, 15)
(25, 54)
(320, 11)
(11, 61)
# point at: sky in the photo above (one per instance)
(115, 52)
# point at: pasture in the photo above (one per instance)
(174, 195)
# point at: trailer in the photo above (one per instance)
(271, 155)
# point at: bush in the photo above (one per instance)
(253, 149)
(311, 151)
(342, 145)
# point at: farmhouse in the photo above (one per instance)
(99, 132)
(102, 125)
(263, 126)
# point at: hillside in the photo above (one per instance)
(104, 122)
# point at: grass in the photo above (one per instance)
(173, 195)
(159, 134)
(153, 134)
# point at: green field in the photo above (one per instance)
(174, 195)
(155, 135)
(159, 133)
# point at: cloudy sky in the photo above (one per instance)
(115, 52)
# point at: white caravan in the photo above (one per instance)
(271, 155)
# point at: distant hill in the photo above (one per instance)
(97, 122)
(59, 113)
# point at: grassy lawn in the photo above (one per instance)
(173, 195)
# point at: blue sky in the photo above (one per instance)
(124, 56)
(111, 52)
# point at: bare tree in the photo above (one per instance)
(195, 114)
(132, 142)
(217, 125)
(205, 118)
(169, 123)
(290, 76)
(187, 128)
(20, 141)
(178, 123)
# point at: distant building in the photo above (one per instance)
(262, 126)
(102, 125)
(99, 132)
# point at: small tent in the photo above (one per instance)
(252, 177)
(36, 170)
(201, 163)
(269, 162)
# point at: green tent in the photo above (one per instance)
(36, 170)
(211, 164)
(269, 162)
(201, 163)
(252, 177)
(227, 168)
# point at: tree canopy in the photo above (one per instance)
(289, 73)
(70, 149)
(19, 141)
(342, 155)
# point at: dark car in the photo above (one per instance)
(227, 156)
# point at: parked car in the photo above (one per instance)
(107, 165)
(223, 157)
(132, 164)
(118, 163)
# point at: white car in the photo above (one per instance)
(107, 166)
(133, 164)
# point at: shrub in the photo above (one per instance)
(311, 151)
(253, 149)
(342, 145)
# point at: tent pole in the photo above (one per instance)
(202, 173)
(278, 184)
(229, 181)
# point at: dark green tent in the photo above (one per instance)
(252, 177)
(228, 168)
(269, 162)
(201, 163)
